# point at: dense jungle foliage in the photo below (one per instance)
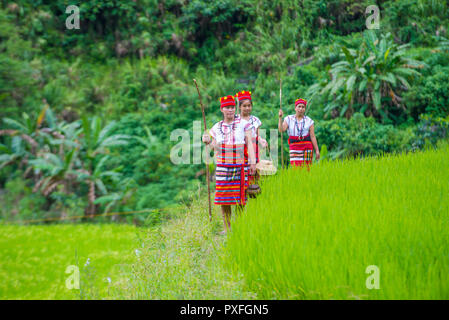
(87, 113)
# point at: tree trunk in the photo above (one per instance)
(91, 196)
(350, 111)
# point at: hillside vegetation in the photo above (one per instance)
(86, 114)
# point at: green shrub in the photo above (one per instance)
(362, 136)
(19, 202)
(431, 95)
(430, 130)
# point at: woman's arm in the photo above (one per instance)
(315, 144)
(282, 126)
(251, 152)
(262, 141)
(210, 141)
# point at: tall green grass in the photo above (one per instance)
(33, 260)
(183, 259)
(179, 259)
(312, 234)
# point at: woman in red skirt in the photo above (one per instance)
(246, 106)
(301, 135)
(230, 137)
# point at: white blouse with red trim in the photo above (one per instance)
(255, 124)
(233, 133)
(298, 128)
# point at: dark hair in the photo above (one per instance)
(251, 101)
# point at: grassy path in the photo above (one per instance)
(183, 259)
(180, 259)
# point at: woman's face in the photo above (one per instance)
(300, 109)
(246, 107)
(228, 112)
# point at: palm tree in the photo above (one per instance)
(13, 154)
(24, 139)
(56, 171)
(96, 179)
(29, 140)
(60, 134)
(96, 140)
(25, 129)
(126, 189)
(61, 153)
(378, 69)
(150, 143)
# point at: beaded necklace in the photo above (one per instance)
(251, 119)
(231, 131)
(303, 122)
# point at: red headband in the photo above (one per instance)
(298, 101)
(227, 101)
(243, 95)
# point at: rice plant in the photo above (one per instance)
(35, 260)
(314, 234)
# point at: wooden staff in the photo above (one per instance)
(207, 156)
(280, 107)
(238, 106)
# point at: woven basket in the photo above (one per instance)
(266, 168)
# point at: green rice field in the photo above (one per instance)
(34, 259)
(314, 234)
(376, 228)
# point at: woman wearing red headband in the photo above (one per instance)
(246, 106)
(301, 135)
(229, 138)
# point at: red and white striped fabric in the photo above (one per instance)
(255, 124)
(301, 150)
(231, 173)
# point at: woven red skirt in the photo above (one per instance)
(301, 150)
(230, 176)
(231, 183)
(251, 178)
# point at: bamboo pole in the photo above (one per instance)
(207, 156)
(238, 106)
(280, 108)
